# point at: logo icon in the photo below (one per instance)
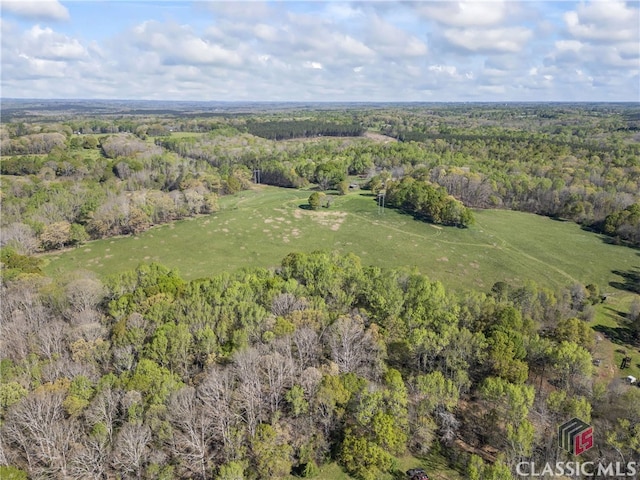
(575, 436)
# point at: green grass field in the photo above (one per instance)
(259, 227)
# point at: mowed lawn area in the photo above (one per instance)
(259, 227)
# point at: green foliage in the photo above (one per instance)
(475, 468)
(10, 394)
(156, 383)
(343, 187)
(8, 472)
(624, 223)
(295, 397)
(506, 356)
(364, 459)
(572, 362)
(329, 175)
(436, 391)
(231, 471)
(575, 330)
(14, 264)
(509, 401)
(427, 202)
(80, 392)
(272, 456)
(315, 200)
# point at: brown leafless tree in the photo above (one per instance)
(51, 339)
(84, 293)
(249, 395)
(353, 348)
(90, 460)
(41, 435)
(277, 371)
(307, 347)
(217, 395)
(131, 449)
(20, 237)
(285, 303)
(193, 430)
(105, 409)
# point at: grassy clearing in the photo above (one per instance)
(259, 227)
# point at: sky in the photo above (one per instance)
(375, 51)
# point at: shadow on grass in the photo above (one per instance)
(614, 314)
(619, 335)
(305, 206)
(609, 240)
(631, 280)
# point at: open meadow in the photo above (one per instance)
(260, 226)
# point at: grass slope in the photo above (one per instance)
(259, 227)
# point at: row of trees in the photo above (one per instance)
(261, 373)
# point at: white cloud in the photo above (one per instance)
(178, 45)
(391, 41)
(327, 51)
(46, 44)
(313, 65)
(267, 33)
(603, 40)
(38, 67)
(448, 69)
(506, 40)
(465, 14)
(569, 46)
(609, 21)
(37, 10)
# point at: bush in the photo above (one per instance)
(315, 200)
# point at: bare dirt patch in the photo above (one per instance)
(333, 220)
(379, 137)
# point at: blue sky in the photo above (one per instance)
(322, 51)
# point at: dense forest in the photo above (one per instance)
(262, 373)
(284, 130)
(107, 177)
(266, 373)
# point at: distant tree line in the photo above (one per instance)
(572, 162)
